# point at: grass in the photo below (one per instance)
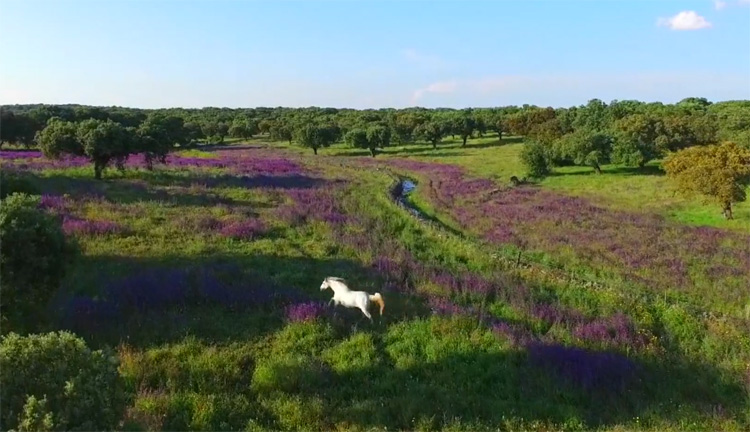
(468, 341)
(619, 187)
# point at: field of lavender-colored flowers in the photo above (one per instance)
(706, 262)
(205, 273)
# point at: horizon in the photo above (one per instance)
(372, 55)
(358, 109)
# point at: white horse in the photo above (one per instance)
(342, 295)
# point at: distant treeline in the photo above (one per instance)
(629, 131)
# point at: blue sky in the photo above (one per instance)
(371, 54)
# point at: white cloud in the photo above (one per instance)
(436, 87)
(724, 4)
(685, 20)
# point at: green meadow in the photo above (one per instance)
(206, 284)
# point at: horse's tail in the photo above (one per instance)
(377, 298)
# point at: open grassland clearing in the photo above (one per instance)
(204, 274)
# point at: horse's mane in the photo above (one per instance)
(337, 279)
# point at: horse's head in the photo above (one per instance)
(325, 285)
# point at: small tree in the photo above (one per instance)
(243, 127)
(432, 131)
(16, 128)
(265, 126)
(34, 256)
(378, 136)
(586, 147)
(314, 136)
(54, 381)
(215, 131)
(281, 131)
(104, 142)
(58, 138)
(158, 135)
(357, 138)
(634, 140)
(534, 156)
(465, 125)
(720, 173)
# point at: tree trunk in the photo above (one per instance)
(372, 151)
(315, 150)
(728, 211)
(500, 136)
(598, 169)
(97, 171)
(464, 144)
(434, 145)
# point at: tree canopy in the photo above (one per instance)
(719, 173)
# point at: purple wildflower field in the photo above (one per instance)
(75, 225)
(159, 289)
(248, 161)
(248, 194)
(307, 311)
(644, 248)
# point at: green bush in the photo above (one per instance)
(33, 260)
(54, 381)
(11, 182)
(356, 353)
(188, 366)
(535, 159)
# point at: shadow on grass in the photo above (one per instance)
(481, 388)
(455, 147)
(217, 298)
(648, 170)
(136, 189)
(499, 143)
(293, 181)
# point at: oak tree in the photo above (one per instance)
(719, 173)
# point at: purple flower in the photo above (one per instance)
(516, 334)
(14, 154)
(153, 289)
(55, 203)
(552, 314)
(244, 230)
(307, 311)
(592, 370)
(74, 225)
(616, 331)
(225, 285)
(666, 255)
(311, 204)
(442, 306)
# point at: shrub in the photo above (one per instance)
(534, 157)
(11, 182)
(33, 260)
(354, 354)
(55, 381)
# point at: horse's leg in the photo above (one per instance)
(364, 311)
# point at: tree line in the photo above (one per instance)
(626, 132)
